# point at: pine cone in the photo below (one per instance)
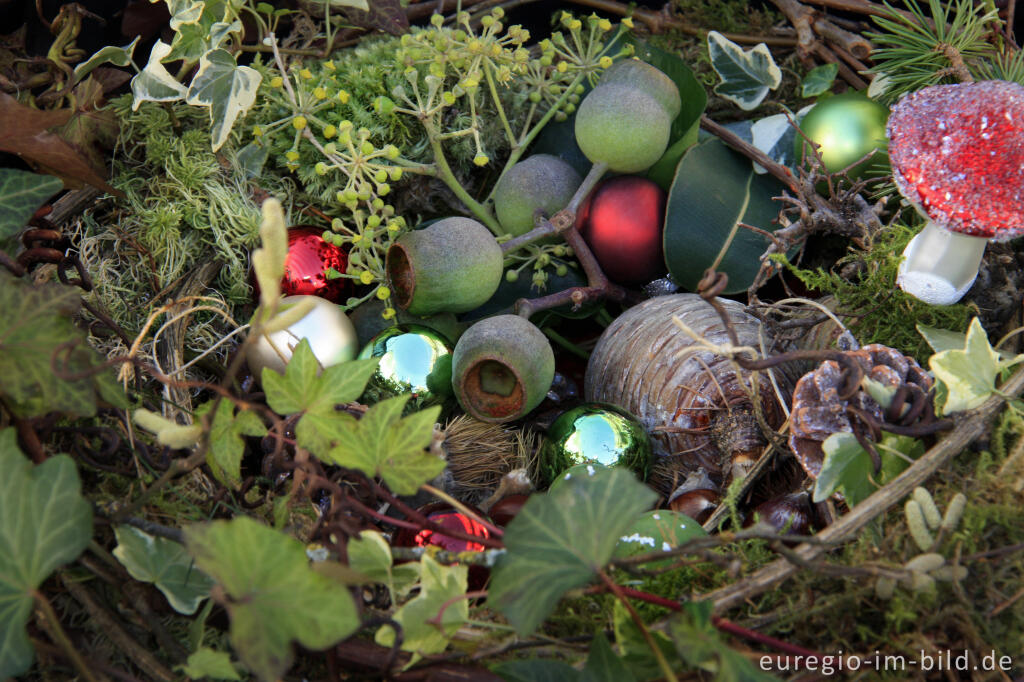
(818, 411)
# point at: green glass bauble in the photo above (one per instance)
(413, 359)
(594, 433)
(657, 531)
(847, 127)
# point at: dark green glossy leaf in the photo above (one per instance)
(715, 189)
(510, 292)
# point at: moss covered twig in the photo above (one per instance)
(970, 427)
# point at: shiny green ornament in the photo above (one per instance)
(847, 127)
(413, 359)
(595, 433)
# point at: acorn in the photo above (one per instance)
(452, 266)
(502, 368)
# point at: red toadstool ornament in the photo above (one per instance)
(957, 155)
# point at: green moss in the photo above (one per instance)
(875, 310)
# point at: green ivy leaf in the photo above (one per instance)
(848, 467)
(633, 646)
(603, 665)
(699, 644)
(559, 541)
(21, 193)
(299, 389)
(208, 663)
(438, 585)
(36, 323)
(228, 89)
(819, 80)
(271, 594)
(226, 445)
(370, 555)
(968, 375)
(44, 523)
(154, 83)
(384, 444)
(747, 75)
(164, 563)
(536, 670)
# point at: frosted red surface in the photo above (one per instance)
(957, 152)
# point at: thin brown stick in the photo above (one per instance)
(112, 629)
(970, 427)
(57, 632)
(777, 170)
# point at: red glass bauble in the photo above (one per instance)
(622, 222)
(309, 260)
(446, 517)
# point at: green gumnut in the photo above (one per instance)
(650, 79)
(541, 182)
(622, 126)
(452, 266)
(502, 368)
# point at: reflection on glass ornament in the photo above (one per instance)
(308, 263)
(595, 433)
(413, 359)
(332, 338)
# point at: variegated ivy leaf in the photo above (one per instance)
(228, 89)
(118, 56)
(154, 83)
(747, 75)
(967, 377)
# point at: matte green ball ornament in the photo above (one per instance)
(595, 433)
(847, 127)
(452, 266)
(413, 359)
(502, 368)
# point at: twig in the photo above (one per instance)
(970, 427)
(61, 637)
(777, 170)
(109, 626)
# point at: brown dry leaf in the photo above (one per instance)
(91, 129)
(25, 131)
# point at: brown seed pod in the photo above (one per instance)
(818, 411)
(694, 407)
(791, 514)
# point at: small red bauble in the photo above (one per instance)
(309, 260)
(622, 222)
(446, 517)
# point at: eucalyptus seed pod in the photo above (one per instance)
(502, 368)
(452, 266)
(694, 406)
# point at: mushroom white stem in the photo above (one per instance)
(939, 266)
